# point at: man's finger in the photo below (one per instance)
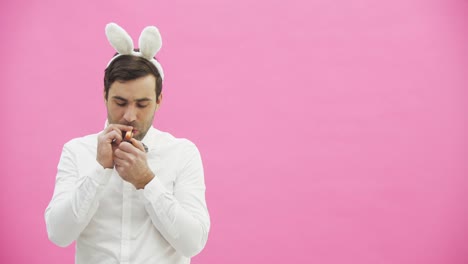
(118, 127)
(127, 147)
(114, 137)
(137, 144)
(121, 154)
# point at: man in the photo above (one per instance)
(120, 203)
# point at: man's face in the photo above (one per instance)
(133, 103)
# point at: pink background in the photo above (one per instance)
(331, 131)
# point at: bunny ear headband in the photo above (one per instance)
(150, 43)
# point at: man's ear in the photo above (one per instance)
(104, 97)
(159, 101)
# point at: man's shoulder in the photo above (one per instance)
(167, 140)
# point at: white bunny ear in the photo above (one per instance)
(119, 39)
(150, 42)
(159, 67)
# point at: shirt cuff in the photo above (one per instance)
(158, 199)
(152, 191)
(100, 175)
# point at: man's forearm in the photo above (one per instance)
(186, 230)
(73, 205)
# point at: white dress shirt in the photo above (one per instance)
(112, 222)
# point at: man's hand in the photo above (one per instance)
(108, 141)
(130, 163)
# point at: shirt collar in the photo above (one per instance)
(151, 138)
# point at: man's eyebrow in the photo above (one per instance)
(119, 98)
(145, 99)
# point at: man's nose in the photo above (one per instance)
(130, 114)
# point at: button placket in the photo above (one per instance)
(126, 222)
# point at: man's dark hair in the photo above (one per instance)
(130, 67)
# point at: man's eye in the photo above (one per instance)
(142, 105)
(120, 104)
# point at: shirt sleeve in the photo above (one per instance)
(182, 216)
(75, 199)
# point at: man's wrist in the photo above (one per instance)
(149, 176)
